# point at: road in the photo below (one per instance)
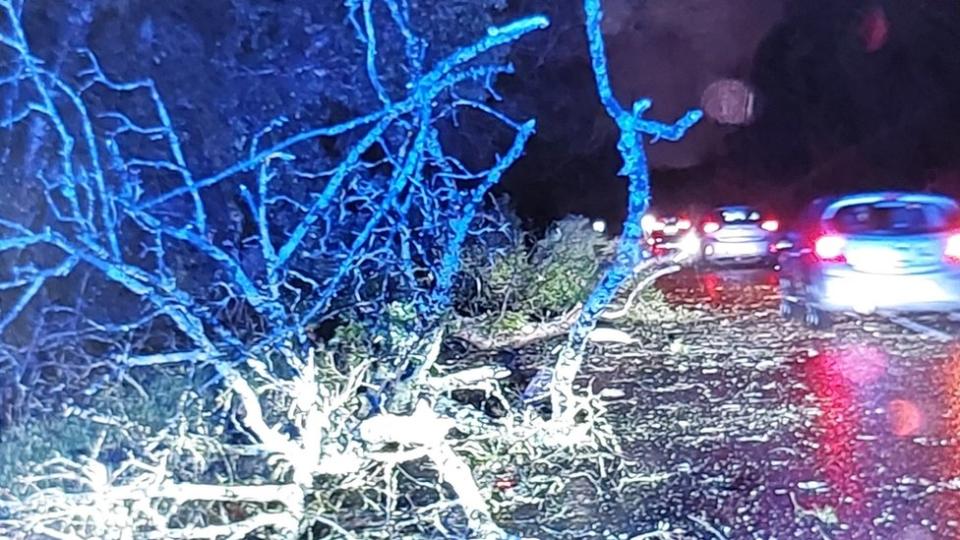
(746, 426)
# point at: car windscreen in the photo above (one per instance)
(738, 215)
(894, 218)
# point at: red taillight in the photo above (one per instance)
(830, 248)
(711, 227)
(683, 224)
(771, 225)
(952, 251)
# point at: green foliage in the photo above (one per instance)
(385, 338)
(527, 280)
(510, 322)
(393, 329)
(39, 441)
(351, 337)
(117, 419)
(573, 252)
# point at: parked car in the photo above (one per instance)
(739, 235)
(669, 234)
(891, 252)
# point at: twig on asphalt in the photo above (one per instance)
(644, 283)
(703, 523)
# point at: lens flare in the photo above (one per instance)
(861, 365)
(906, 418)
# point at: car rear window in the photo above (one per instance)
(739, 215)
(891, 218)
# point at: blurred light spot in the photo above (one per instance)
(874, 29)
(729, 101)
(600, 226)
(916, 532)
(861, 365)
(906, 419)
(648, 222)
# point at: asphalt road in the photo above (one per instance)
(743, 425)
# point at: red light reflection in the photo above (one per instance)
(950, 392)
(828, 376)
(861, 365)
(711, 282)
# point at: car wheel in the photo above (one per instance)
(789, 310)
(816, 318)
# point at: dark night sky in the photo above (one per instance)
(852, 94)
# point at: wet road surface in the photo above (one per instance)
(744, 425)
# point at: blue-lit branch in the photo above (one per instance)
(633, 127)
(450, 262)
(435, 82)
(415, 47)
(125, 203)
(371, 38)
(412, 165)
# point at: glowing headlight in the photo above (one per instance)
(690, 244)
(648, 222)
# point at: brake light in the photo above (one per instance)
(684, 224)
(711, 227)
(830, 248)
(771, 225)
(952, 251)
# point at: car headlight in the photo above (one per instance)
(690, 244)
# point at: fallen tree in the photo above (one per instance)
(331, 450)
(489, 333)
(276, 435)
(126, 216)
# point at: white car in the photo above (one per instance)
(739, 235)
(891, 252)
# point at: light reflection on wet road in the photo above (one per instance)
(770, 430)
